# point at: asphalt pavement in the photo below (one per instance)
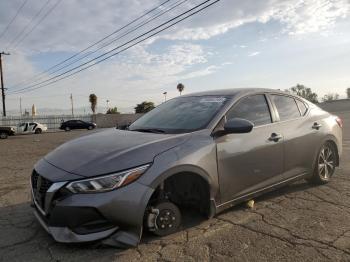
(296, 223)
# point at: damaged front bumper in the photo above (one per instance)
(66, 235)
(115, 217)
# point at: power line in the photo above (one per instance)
(178, 3)
(94, 44)
(30, 22)
(37, 86)
(38, 23)
(42, 84)
(13, 19)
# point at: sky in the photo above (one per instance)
(233, 43)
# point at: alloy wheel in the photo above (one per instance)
(326, 162)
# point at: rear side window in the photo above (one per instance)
(302, 107)
(286, 107)
(253, 108)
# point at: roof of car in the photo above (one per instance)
(236, 91)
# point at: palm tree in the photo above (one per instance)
(180, 87)
(93, 102)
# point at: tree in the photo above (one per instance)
(348, 92)
(330, 97)
(144, 107)
(113, 110)
(304, 92)
(93, 102)
(180, 87)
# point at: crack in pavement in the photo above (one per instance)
(33, 236)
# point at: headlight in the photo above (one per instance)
(106, 183)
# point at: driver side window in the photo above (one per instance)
(253, 108)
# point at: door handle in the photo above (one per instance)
(316, 126)
(275, 137)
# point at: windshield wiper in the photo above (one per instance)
(149, 130)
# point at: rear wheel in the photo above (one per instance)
(325, 164)
(3, 135)
(163, 218)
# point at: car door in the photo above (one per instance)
(73, 124)
(251, 161)
(81, 124)
(26, 128)
(21, 128)
(32, 127)
(300, 138)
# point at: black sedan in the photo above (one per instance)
(77, 124)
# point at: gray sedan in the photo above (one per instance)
(207, 151)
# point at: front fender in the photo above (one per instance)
(200, 161)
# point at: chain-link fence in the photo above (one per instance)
(52, 122)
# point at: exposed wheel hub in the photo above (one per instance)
(163, 218)
(166, 219)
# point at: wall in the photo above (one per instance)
(52, 122)
(342, 105)
(113, 120)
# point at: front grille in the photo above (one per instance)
(40, 185)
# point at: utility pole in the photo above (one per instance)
(2, 85)
(71, 101)
(20, 105)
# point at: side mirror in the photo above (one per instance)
(238, 126)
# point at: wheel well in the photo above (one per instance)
(186, 190)
(336, 150)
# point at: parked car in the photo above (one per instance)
(6, 131)
(207, 151)
(31, 128)
(77, 124)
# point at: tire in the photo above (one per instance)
(3, 135)
(325, 164)
(90, 128)
(67, 128)
(163, 219)
(38, 131)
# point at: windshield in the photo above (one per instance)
(182, 114)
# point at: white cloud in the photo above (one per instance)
(153, 66)
(253, 54)
(297, 17)
(85, 21)
(127, 79)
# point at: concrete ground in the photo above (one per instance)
(297, 223)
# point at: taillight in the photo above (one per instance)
(339, 121)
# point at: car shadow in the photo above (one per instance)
(298, 186)
(20, 222)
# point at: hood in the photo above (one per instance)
(111, 151)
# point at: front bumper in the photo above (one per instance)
(72, 218)
(66, 235)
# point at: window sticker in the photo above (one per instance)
(213, 100)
